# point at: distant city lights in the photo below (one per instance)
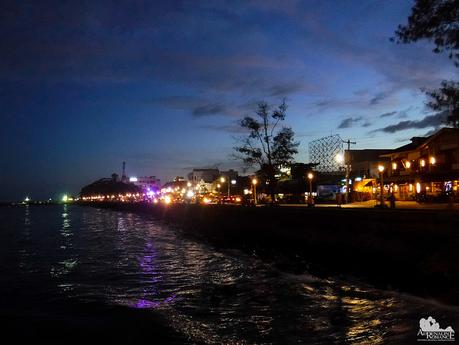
(189, 194)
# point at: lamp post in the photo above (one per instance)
(310, 177)
(381, 174)
(254, 184)
(233, 182)
(222, 180)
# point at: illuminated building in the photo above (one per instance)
(364, 172)
(431, 164)
(204, 175)
(146, 182)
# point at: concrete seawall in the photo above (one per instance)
(411, 250)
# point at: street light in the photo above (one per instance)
(223, 180)
(339, 158)
(381, 174)
(254, 183)
(310, 177)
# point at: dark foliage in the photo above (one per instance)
(437, 21)
(446, 99)
(264, 146)
(434, 20)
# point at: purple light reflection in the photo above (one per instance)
(147, 265)
(146, 304)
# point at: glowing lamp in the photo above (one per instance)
(433, 160)
(423, 163)
(394, 166)
(339, 158)
(190, 194)
(310, 176)
(408, 164)
(254, 181)
(381, 168)
(222, 179)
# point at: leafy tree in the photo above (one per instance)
(437, 21)
(446, 99)
(434, 20)
(264, 146)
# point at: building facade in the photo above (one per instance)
(203, 175)
(425, 169)
(147, 183)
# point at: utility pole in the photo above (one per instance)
(347, 162)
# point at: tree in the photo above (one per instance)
(265, 147)
(434, 20)
(446, 99)
(437, 21)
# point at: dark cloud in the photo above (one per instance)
(391, 113)
(285, 89)
(349, 122)
(228, 128)
(378, 98)
(208, 110)
(198, 107)
(429, 121)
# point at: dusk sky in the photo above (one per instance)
(86, 85)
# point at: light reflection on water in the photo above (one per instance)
(210, 296)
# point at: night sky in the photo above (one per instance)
(86, 85)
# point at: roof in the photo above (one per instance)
(367, 154)
(418, 142)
